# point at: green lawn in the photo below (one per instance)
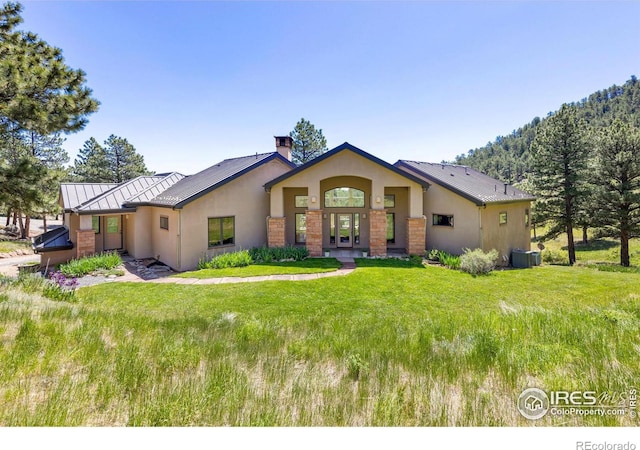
(309, 265)
(597, 251)
(384, 346)
(11, 246)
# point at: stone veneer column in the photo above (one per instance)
(416, 235)
(314, 232)
(85, 243)
(275, 231)
(378, 232)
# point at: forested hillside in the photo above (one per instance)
(507, 158)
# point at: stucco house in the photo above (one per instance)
(344, 199)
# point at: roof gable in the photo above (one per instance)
(467, 182)
(195, 186)
(345, 147)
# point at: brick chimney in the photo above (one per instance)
(284, 145)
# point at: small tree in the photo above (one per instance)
(618, 181)
(308, 143)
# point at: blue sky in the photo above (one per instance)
(192, 83)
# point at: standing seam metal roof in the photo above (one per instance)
(465, 181)
(75, 194)
(194, 186)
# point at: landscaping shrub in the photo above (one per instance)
(89, 264)
(240, 258)
(555, 257)
(477, 262)
(449, 260)
(433, 255)
(270, 254)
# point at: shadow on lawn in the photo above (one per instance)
(412, 263)
(596, 244)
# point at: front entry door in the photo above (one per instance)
(113, 235)
(345, 230)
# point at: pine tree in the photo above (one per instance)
(559, 157)
(308, 143)
(38, 91)
(91, 165)
(618, 180)
(124, 162)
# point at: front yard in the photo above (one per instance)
(384, 346)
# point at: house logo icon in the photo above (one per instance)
(533, 403)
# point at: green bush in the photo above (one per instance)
(449, 260)
(477, 262)
(89, 264)
(433, 255)
(555, 257)
(240, 258)
(271, 254)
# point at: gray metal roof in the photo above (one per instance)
(113, 199)
(192, 187)
(75, 194)
(467, 182)
(154, 190)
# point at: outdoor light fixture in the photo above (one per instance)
(324, 216)
(364, 216)
(378, 199)
(313, 199)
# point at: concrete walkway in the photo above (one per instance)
(348, 266)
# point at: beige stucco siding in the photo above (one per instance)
(465, 232)
(507, 237)
(243, 198)
(164, 243)
(139, 243)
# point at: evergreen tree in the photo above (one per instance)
(40, 96)
(124, 162)
(38, 91)
(618, 181)
(91, 165)
(308, 143)
(559, 158)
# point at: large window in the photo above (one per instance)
(391, 228)
(442, 220)
(344, 197)
(164, 222)
(95, 224)
(221, 231)
(301, 228)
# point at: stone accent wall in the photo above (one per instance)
(275, 231)
(378, 232)
(416, 235)
(85, 243)
(314, 232)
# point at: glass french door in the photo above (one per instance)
(345, 230)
